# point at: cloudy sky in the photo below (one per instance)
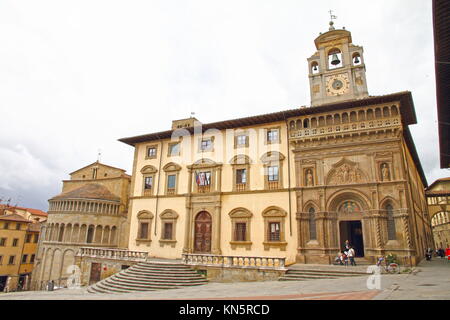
(75, 76)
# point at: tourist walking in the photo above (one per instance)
(351, 256)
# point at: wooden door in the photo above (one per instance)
(202, 241)
(96, 270)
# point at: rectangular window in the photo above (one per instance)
(28, 238)
(240, 231)
(151, 152)
(18, 226)
(206, 145)
(11, 259)
(15, 242)
(274, 231)
(2, 242)
(171, 181)
(272, 135)
(1, 260)
(24, 258)
(174, 149)
(241, 176)
(241, 140)
(32, 258)
(203, 178)
(148, 183)
(6, 225)
(36, 238)
(144, 230)
(272, 173)
(168, 227)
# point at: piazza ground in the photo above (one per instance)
(432, 281)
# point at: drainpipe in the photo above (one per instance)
(157, 188)
(289, 173)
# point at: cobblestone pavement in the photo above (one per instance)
(431, 282)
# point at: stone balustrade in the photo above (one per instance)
(344, 127)
(244, 262)
(115, 254)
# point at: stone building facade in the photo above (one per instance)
(294, 184)
(438, 198)
(91, 211)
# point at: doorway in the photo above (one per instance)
(3, 280)
(352, 231)
(96, 270)
(202, 238)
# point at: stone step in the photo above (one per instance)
(140, 286)
(162, 265)
(145, 277)
(156, 280)
(339, 273)
(309, 277)
(157, 270)
(115, 288)
(332, 274)
(144, 268)
(139, 273)
(149, 276)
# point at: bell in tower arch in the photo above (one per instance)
(335, 59)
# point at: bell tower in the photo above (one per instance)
(336, 71)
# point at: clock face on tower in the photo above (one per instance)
(337, 84)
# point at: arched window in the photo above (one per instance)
(312, 224)
(390, 222)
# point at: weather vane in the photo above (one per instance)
(332, 16)
(99, 155)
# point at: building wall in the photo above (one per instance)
(364, 152)
(256, 199)
(14, 270)
(438, 201)
(56, 254)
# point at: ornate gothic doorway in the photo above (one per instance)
(352, 231)
(202, 240)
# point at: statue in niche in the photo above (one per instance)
(309, 178)
(345, 173)
(385, 175)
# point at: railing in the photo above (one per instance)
(344, 127)
(272, 263)
(204, 189)
(240, 186)
(170, 191)
(119, 254)
(148, 192)
(273, 185)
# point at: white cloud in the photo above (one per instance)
(76, 76)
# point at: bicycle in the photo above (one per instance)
(393, 268)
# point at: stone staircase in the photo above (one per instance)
(149, 276)
(316, 272)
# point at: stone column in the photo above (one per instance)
(216, 230)
(187, 248)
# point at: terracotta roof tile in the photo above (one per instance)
(88, 191)
(14, 217)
